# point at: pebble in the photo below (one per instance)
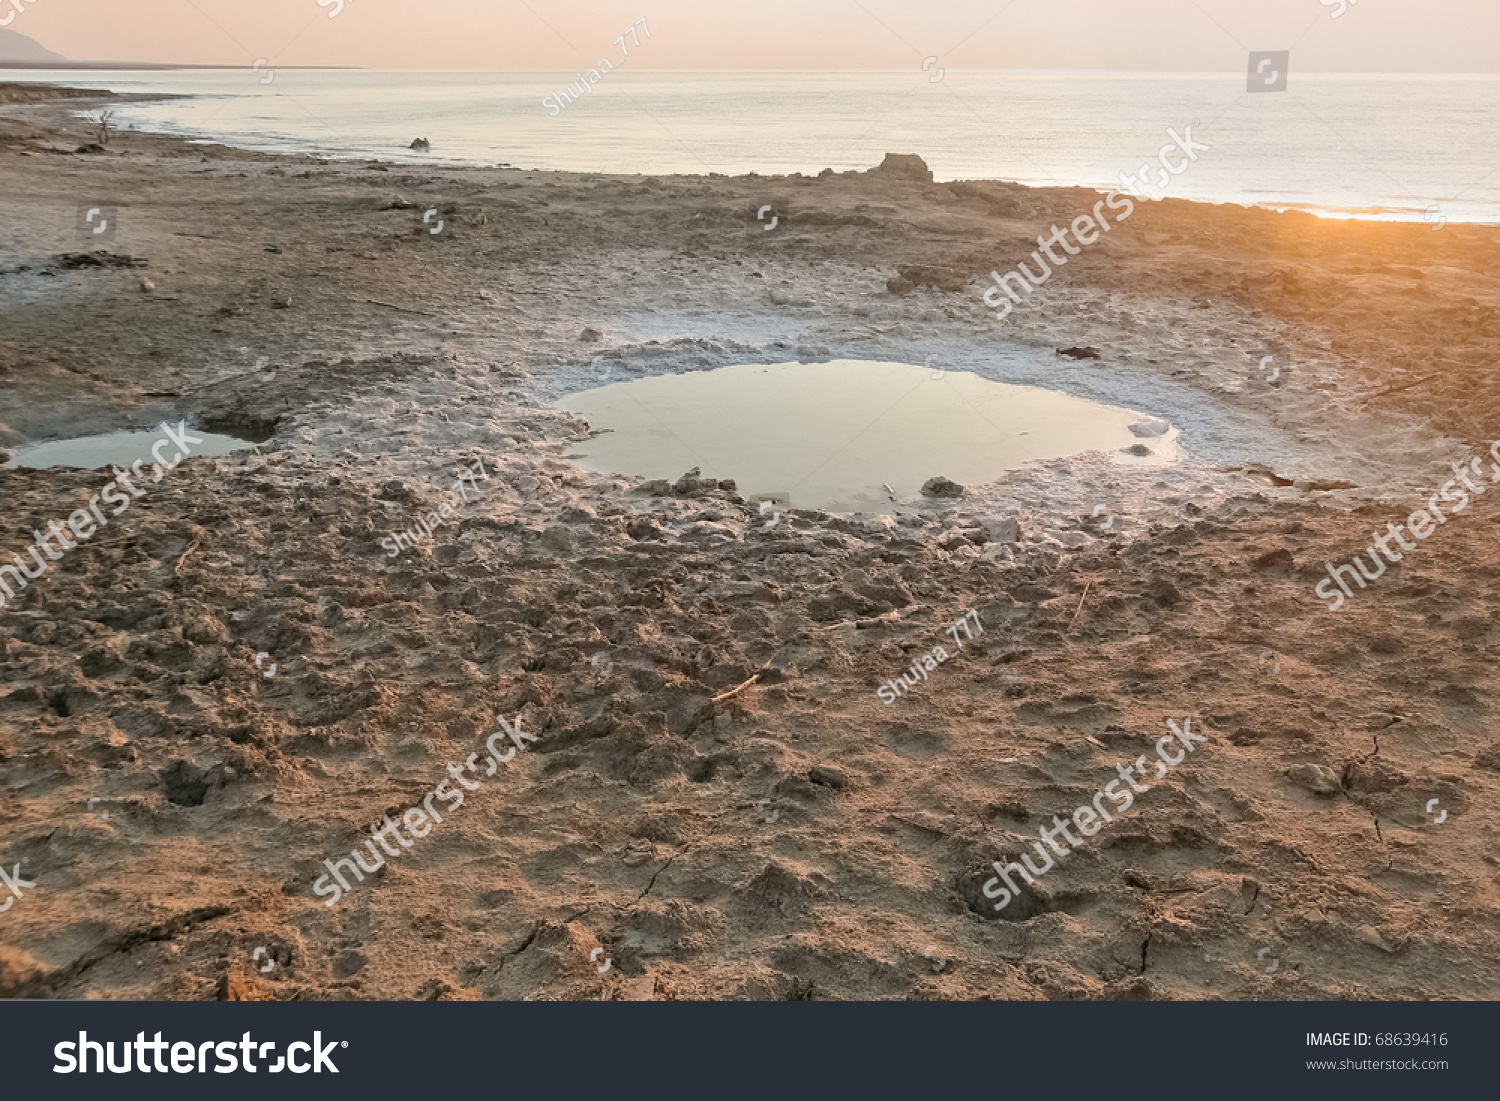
(1150, 427)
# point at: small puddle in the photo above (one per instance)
(832, 435)
(119, 449)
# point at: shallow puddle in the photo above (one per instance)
(120, 449)
(833, 435)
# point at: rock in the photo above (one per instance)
(91, 147)
(421, 145)
(1072, 539)
(400, 202)
(1139, 450)
(828, 777)
(941, 487)
(1079, 353)
(1150, 427)
(1370, 935)
(1318, 779)
(591, 335)
(905, 164)
(693, 483)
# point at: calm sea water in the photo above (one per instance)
(1386, 147)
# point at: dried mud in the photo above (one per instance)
(797, 838)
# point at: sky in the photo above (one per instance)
(1177, 35)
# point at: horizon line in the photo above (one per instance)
(167, 66)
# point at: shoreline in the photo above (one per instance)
(717, 799)
(398, 155)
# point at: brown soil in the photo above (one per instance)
(797, 838)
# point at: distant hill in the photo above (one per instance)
(17, 47)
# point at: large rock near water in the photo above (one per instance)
(906, 164)
(941, 487)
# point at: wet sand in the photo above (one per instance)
(794, 836)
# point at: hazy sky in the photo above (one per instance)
(1370, 36)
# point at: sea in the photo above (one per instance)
(1380, 147)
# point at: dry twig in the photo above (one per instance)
(398, 309)
(1081, 599)
(736, 691)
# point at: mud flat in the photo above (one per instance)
(237, 680)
